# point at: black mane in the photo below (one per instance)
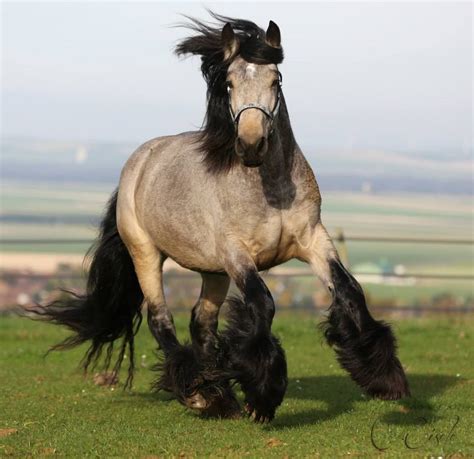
(218, 133)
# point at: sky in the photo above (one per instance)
(362, 75)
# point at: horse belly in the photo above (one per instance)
(190, 244)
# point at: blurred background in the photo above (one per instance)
(380, 97)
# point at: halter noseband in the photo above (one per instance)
(271, 114)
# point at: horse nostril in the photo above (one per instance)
(260, 145)
(252, 148)
(241, 146)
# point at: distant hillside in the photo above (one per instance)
(336, 171)
(63, 161)
(390, 172)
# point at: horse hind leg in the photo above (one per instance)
(365, 347)
(148, 262)
(214, 392)
(204, 316)
(194, 380)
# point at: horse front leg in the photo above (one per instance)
(254, 356)
(365, 347)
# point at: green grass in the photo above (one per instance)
(56, 411)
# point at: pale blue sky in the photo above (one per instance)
(392, 76)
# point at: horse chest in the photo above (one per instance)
(265, 238)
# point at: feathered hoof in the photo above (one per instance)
(389, 385)
(262, 373)
(370, 358)
(260, 415)
(220, 403)
(197, 384)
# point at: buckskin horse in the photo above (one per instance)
(227, 201)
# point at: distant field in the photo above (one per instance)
(51, 211)
(48, 408)
(403, 295)
(72, 211)
(401, 215)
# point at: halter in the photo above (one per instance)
(271, 114)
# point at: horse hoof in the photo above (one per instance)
(256, 416)
(216, 407)
(196, 402)
(223, 406)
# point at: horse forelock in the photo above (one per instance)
(207, 43)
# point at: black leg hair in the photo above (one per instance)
(197, 383)
(178, 366)
(365, 347)
(190, 371)
(194, 380)
(254, 356)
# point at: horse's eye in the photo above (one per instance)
(228, 85)
(275, 83)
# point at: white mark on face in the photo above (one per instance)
(250, 70)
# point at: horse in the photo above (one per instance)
(227, 201)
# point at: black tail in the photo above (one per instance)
(111, 307)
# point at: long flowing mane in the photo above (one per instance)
(217, 135)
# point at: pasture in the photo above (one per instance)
(48, 408)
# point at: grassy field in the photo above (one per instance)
(47, 407)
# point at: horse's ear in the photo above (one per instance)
(230, 42)
(273, 36)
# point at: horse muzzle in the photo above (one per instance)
(251, 153)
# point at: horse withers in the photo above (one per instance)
(227, 201)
